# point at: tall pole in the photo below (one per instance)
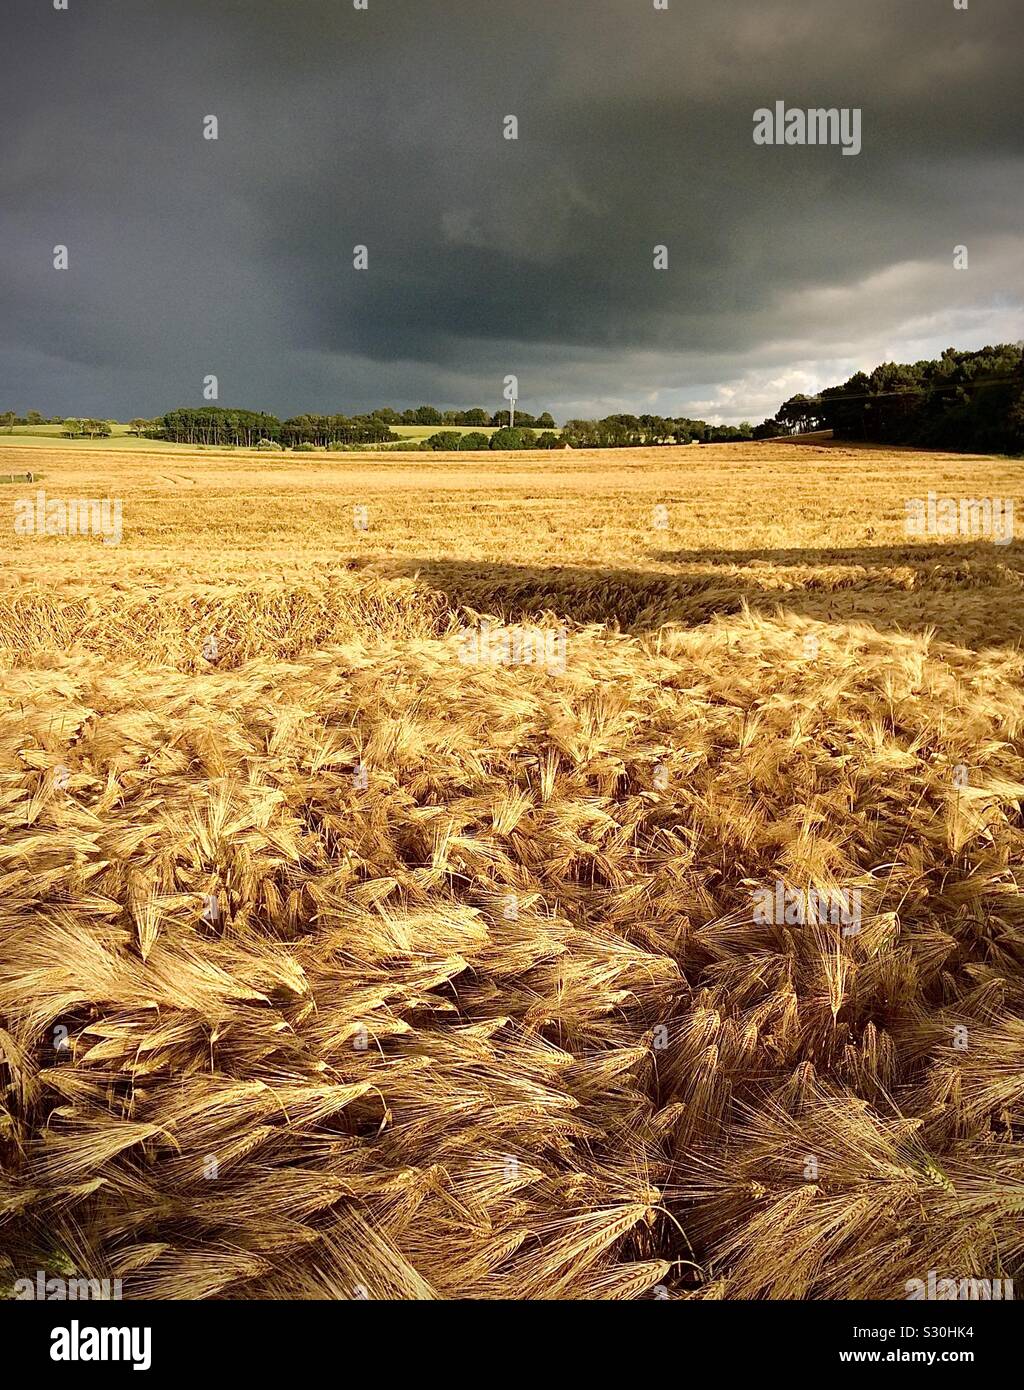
(512, 413)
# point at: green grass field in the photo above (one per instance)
(417, 433)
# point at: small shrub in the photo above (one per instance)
(474, 439)
(444, 439)
(516, 438)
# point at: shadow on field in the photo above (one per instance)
(914, 554)
(969, 595)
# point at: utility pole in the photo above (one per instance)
(512, 413)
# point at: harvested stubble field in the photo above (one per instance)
(345, 968)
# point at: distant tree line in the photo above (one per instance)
(634, 431)
(249, 429)
(326, 431)
(10, 418)
(613, 432)
(507, 437)
(212, 425)
(430, 415)
(963, 401)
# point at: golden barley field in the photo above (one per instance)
(340, 958)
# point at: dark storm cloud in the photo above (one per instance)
(787, 266)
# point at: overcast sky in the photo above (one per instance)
(789, 267)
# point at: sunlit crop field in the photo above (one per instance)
(380, 839)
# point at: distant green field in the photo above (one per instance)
(49, 431)
(37, 429)
(417, 433)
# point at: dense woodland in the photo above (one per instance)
(964, 401)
